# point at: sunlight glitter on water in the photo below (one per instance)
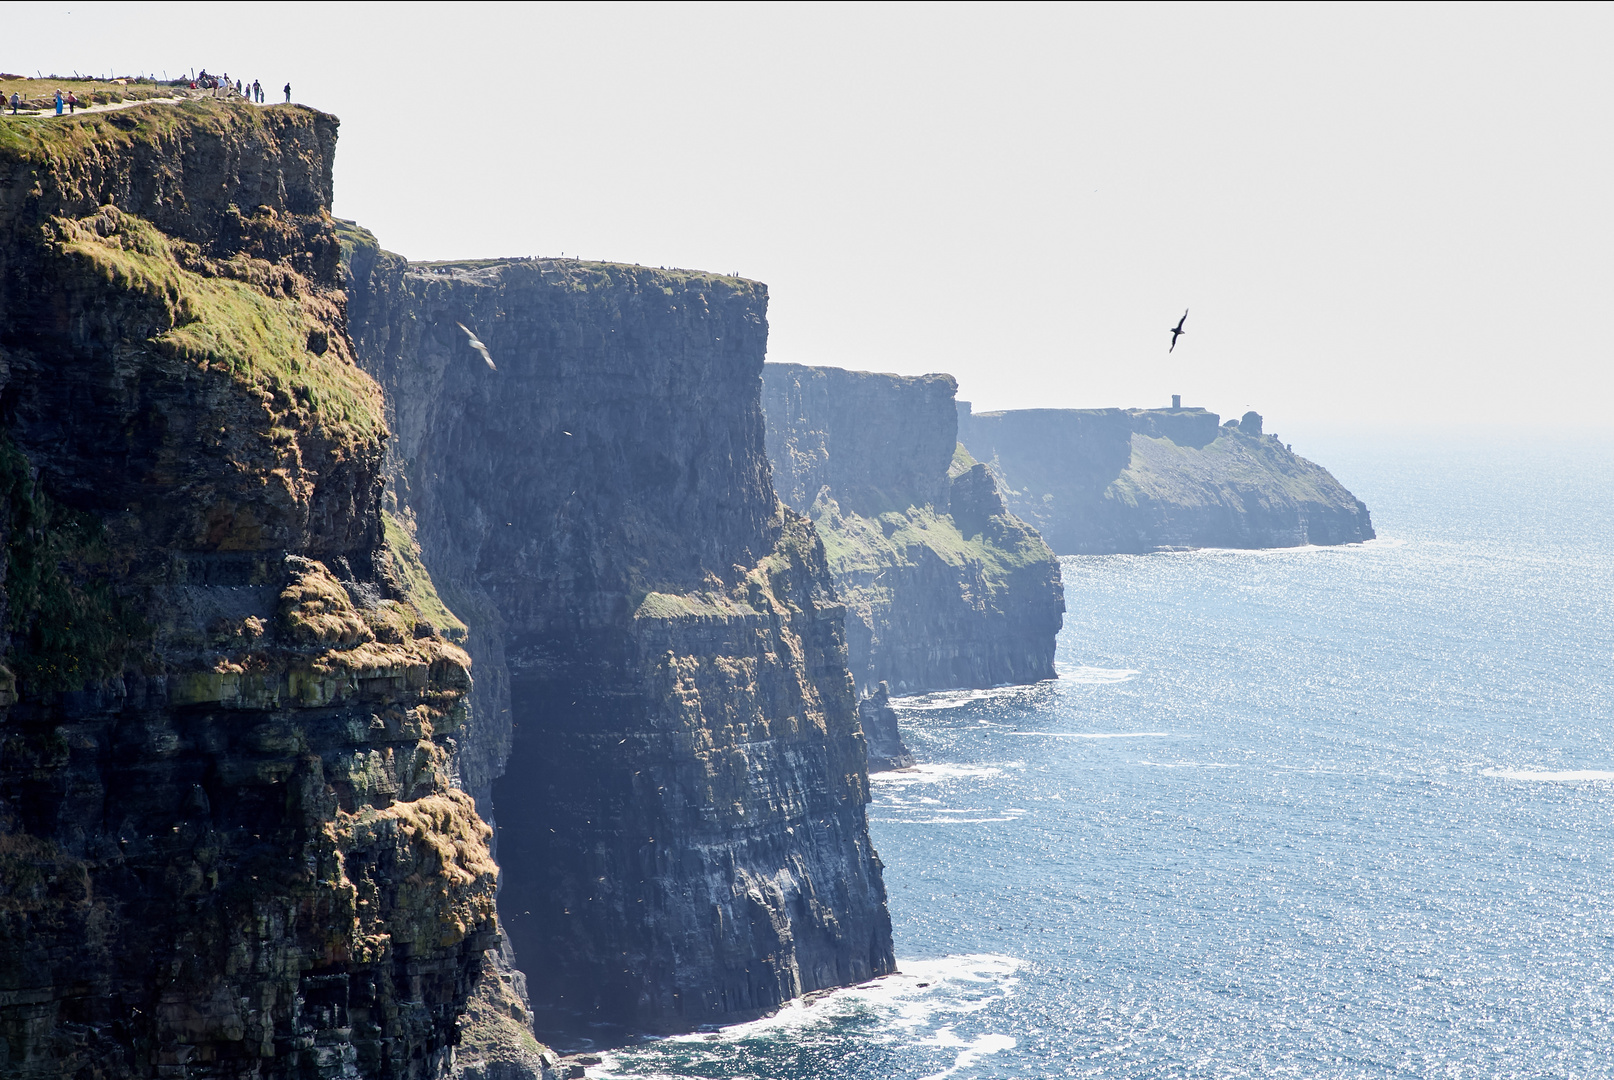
(1344, 814)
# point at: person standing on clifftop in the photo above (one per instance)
(15, 101)
(72, 103)
(288, 93)
(58, 101)
(257, 91)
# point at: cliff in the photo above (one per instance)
(943, 586)
(1101, 481)
(664, 720)
(230, 844)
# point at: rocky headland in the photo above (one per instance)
(230, 839)
(943, 586)
(1106, 481)
(663, 724)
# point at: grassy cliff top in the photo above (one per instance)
(855, 545)
(93, 139)
(231, 288)
(597, 274)
(583, 273)
(89, 91)
(1165, 472)
(353, 235)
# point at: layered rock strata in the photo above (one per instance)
(943, 586)
(1103, 481)
(674, 758)
(230, 844)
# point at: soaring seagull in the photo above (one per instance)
(1176, 332)
(476, 343)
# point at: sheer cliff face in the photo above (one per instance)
(229, 844)
(1103, 481)
(681, 819)
(943, 586)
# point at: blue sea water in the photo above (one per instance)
(1314, 813)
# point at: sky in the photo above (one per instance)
(1376, 216)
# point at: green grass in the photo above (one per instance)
(856, 545)
(94, 92)
(587, 275)
(216, 323)
(963, 462)
(417, 582)
(1161, 470)
(58, 143)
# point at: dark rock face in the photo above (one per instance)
(1102, 481)
(229, 841)
(680, 814)
(886, 749)
(944, 587)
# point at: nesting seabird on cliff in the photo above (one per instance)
(476, 343)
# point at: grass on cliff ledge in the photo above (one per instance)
(58, 145)
(264, 342)
(417, 583)
(856, 545)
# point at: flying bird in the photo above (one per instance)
(1176, 332)
(476, 343)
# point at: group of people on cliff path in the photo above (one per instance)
(68, 102)
(252, 91)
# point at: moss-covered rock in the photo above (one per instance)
(230, 840)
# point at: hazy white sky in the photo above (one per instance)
(1378, 214)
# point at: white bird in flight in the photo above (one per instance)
(476, 343)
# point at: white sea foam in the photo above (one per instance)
(1093, 734)
(952, 699)
(933, 774)
(943, 821)
(1187, 764)
(922, 994)
(1562, 775)
(1013, 813)
(1097, 675)
(972, 1050)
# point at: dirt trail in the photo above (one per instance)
(179, 96)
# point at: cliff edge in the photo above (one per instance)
(1105, 481)
(230, 843)
(943, 586)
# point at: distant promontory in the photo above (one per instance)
(1107, 481)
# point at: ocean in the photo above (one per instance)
(1326, 812)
